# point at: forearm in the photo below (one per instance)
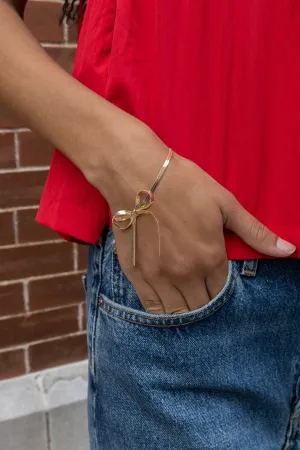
(69, 115)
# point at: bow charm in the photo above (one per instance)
(126, 218)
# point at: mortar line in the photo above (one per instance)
(31, 244)
(59, 45)
(41, 341)
(80, 317)
(24, 169)
(47, 425)
(18, 208)
(75, 257)
(26, 359)
(26, 297)
(17, 149)
(65, 32)
(13, 130)
(15, 226)
(34, 312)
(41, 277)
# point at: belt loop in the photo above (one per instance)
(249, 268)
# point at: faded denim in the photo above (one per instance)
(223, 377)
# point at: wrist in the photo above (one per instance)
(125, 161)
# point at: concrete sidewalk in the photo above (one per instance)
(46, 410)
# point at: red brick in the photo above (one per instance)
(8, 119)
(33, 260)
(63, 56)
(6, 227)
(82, 256)
(11, 299)
(21, 188)
(7, 151)
(38, 326)
(30, 230)
(42, 18)
(60, 351)
(34, 150)
(12, 364)
(55, 292)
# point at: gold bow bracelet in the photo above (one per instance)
(126, 218)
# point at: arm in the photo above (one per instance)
(122, 156)
(65, 112)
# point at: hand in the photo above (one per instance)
(192, 210)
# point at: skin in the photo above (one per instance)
(122, 156)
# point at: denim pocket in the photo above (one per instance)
(118, 298)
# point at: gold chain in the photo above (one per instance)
(126, 218)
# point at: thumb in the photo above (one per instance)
(254, 233)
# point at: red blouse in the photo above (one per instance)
(218, 81)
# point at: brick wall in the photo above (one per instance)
(42, 312)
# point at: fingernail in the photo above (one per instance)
(285, 246)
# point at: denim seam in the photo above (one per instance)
(112, 277)
(99, 263)
(221, 296)
(117, 284)
(294, 420)
(108, 309)
(180, 324)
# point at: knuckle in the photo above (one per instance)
(231, 198)
(230, 201)
(231, 206)
(132, 273)
(177, 310)
(214, 258)
(152, 274)
(152, 305)
(182, 267)
(259, 231)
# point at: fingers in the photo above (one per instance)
(164, 298)
(173, 300)
(157, 294)
(149, 298)
(216, 279)
(161, 297)
(195, 293)
(254, 233)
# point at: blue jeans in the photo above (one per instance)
(225, 376)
